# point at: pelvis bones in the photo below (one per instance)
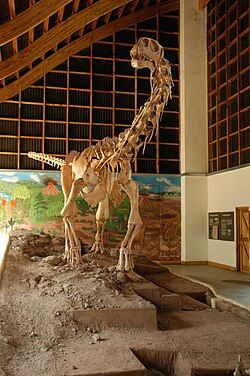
(100, 172)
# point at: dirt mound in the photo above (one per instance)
(40, 244)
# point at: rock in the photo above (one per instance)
(95, 338)
(36, 258)
(111, 268)
(66, 286)
(114, 252)
(121, 277)
(56, 241)
(37, 279)
(53, 260)
(2, 373)
(33, 334)
(43, 241)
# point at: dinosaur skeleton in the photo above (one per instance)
(102, 170)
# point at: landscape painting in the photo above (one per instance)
(33, 201)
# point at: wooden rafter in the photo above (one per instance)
(203, 4)
(12, 10)
(74, 11)
(28, 19)
(81, 43)
(134, 5)
(45, 30)
(56, 35)
(94, 23)
(2, 81)
(121, 10)
(31, 31)
(60, 14)
(107, 17)
(75, 6)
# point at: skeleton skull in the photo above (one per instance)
(146, 53)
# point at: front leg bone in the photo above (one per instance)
(72, 254)
(98, 244)
(102, 215)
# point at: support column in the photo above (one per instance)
(193, 107)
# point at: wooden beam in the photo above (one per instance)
(60, 14)
(12, 10)
(29, 19)
(81, 43)
(45, 30)
(31, 31)
(120, 11)
(75, 6)
(203, 4)
(59, 33)
(134, 5)
(74, 10)
(94, 23)
(2, 81)
(107, 17)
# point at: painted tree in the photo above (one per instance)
(38, 208)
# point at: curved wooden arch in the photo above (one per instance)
(29, 18)
(56, 35)
(82, 43)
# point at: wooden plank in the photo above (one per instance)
(2, 81)
(203, 4)
(120, 11)
(75, 6)
(59, 20)
(29, 19)
(12, 10)
(134, 5)
(56, 35)
(81, 43)
(31, 31)
(107, 17)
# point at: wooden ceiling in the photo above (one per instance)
(36, 36)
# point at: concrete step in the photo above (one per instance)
(141, 318)
(101, 360)
(161, 298)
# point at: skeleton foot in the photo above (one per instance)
(97, 247)
(72, 256)
(125, 262)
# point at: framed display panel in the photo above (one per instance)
(221, 226)
(228, 84)
(94, 94)
(227, 226)
(214, 225)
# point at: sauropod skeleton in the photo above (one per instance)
(100, 171)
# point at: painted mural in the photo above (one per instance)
(33, 201)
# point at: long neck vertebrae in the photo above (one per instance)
(147, 119)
